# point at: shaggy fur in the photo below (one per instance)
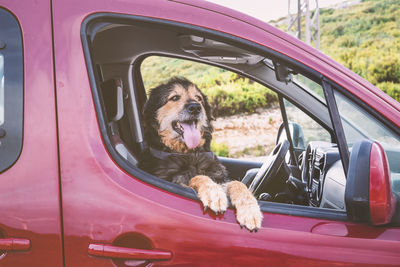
(179, 167)
(181, 102)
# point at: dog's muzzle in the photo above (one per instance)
(187, 125)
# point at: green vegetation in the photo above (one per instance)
(366, 39)
(255, 151)
(220, 149)
(228, 93)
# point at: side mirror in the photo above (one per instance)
(296, 133)
(369, 196)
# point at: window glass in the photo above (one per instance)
(1, 89)
(310, 86)
(310, 129)
(247, 115)
(313, 88)
(359, 124)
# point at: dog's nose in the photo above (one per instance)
(193, 108)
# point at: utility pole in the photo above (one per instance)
(312, 29)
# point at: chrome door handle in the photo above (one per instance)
(110, 251)
(14, 244)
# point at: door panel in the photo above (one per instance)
(109, 214)
(30, 224)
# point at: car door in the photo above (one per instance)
(30, 219)
(112, 216)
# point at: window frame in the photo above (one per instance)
(91, 20)
(12, 128)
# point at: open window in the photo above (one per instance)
(275, 90)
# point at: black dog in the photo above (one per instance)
(178, 132)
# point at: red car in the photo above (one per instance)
(71, 95)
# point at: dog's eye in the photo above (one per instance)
(175, 98)
(199, 98)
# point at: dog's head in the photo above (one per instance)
(177, 116)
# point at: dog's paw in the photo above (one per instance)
(249, 216)
(248, 213)
(213, 197)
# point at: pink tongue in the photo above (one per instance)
(191, 135)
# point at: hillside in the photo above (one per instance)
(366, 39)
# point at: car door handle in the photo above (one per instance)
(14, 244)
(110, 251)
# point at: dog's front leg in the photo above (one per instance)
(248, 212)
(211, 194)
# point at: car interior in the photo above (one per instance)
(307, 174)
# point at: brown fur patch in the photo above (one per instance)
(174, 143)
(171, 108)
(248, 212)
(199, 181)
(212, 195)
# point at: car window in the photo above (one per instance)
(310, 129)
(247, 116)
(359, 124)
(241, 88)
(11, 89)
(315, 89)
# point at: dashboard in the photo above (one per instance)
(322, 172)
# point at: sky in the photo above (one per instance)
(267, 10)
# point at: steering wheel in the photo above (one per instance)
(267, 174)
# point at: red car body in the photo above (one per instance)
(65, 196)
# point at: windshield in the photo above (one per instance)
(359, 124)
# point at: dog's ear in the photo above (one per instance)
(150, 123)
(207, 107)
(209, 129)
(150, 110)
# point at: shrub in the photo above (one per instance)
(365, 38)
(220, 149)
(238, 96)
(390, 88)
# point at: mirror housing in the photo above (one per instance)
(369, 196)
(282, 72)
(296, 133)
